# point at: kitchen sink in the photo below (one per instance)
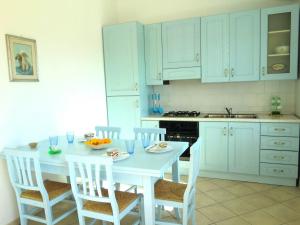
(224, 115)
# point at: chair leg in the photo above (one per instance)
(48, 214)
(81, 219)
(141, 211)
(22, 211)
(194, 217)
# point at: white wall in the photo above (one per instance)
(194, 95)
(242, 97)
(151, 11)
(71, 91)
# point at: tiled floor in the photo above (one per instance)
(224, 202)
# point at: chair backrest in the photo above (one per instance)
(87, 174)
(108, 132)
(152, 134)
(25, 172)
(193, 170)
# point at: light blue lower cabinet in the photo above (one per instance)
(277, 170)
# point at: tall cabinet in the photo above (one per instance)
(230, 46)
(279, 42)
(125, 75)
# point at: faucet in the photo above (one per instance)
(229, 111)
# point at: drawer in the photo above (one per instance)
(276, 170)
(282, 157)
(182, 73)
(280, 129)
(279, 143)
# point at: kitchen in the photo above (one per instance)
(179, 95)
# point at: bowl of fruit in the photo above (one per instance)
(97, 143)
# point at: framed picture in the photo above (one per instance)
(22, 63)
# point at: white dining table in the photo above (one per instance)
(142, 168)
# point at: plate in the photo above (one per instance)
(121, 156)
(156, 148)
(278, 66)
(54, 152)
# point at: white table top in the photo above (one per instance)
(140, 163)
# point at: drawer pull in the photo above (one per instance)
(225, 131)
(278, 157)
(279, 143)
(279, 129)
(278, 171)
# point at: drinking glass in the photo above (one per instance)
(70, 137)
(53, 140)
(130, 146)
(145, 141)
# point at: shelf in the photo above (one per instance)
(278, 55)
(279, 31)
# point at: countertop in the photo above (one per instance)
(261, 118)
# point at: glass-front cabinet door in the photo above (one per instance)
(279, 42)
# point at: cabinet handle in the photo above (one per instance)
(278, 171)
(225, 131)
(278, 157)
(232, 72)
(136, 86)
(279, 129)
(226, 72)
(263, 70)
(279, 143)
(159, 76)
(231, 131)
(197, 57)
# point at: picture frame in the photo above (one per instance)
(22, 58)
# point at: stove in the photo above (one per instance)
(182, 114)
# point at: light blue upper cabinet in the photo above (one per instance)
(244, 46)
(215, 48)
(153, 54)
(243, 148)
(181, 44)
(279, 42)
(214, 146)
(123, 58)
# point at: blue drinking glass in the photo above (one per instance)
(53, 140)
(130, 146)
(145, 141)
(70, 137)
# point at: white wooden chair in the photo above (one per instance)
(92, 199)
(179, 195)
(26, 178)
(108, 132)
(152, 134)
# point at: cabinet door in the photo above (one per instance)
(181, 43)
(215, 48)
(214, 146)
(153, 54)
(244, 148)
(244, 46)
(150, 124)
(126, 119)
(279, 42)
(121, 59)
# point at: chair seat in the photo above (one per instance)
(53, 188)
(124, 199)
(169, 191)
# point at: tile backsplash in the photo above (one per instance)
(247, 97)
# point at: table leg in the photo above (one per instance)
(176, 178)
(149, 203)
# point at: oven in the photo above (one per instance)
(181, 131)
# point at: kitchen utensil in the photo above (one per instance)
(283, 49)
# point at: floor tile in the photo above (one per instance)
(216, 213)
(224, 183)
(202, 219)
(291, 190)
(206, 185)
(282, 213)
(238, 206)
(233, 221)
(278, 195)
(240, 190)
(260, 218)
(220, 195)
(293, 204)
(296, 222)
(203, 200)
(259, 187)
(258, 200)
